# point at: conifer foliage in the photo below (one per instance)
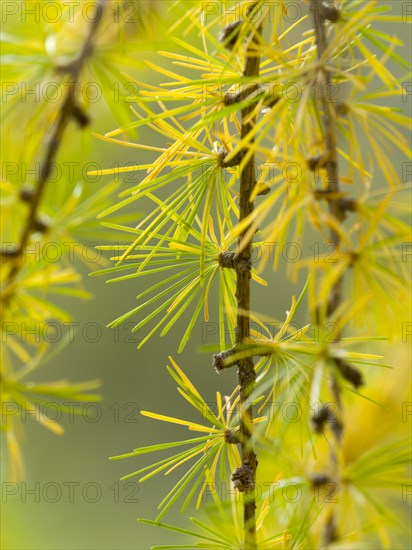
(244, 91)
(277, 125)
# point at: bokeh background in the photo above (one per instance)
(95, 509)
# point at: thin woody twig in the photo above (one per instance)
(244, 477)
(326, 10)
(68, 110)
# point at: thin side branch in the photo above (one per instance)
(69, 110)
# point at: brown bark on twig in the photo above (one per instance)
(245, 476)
(69, 110)
(321, 11)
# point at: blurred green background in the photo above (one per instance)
(71, 497)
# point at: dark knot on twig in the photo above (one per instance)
(263, 189)
(324, 415)
(242, 478)
(330, 11)
(319, 479)
(230, 98)
(26, 193)
(351, 374)
(326, 10)
(231, 436)
(227, 260)
(230, 260)
(222, 360)
(234, 161)
(229, 34)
